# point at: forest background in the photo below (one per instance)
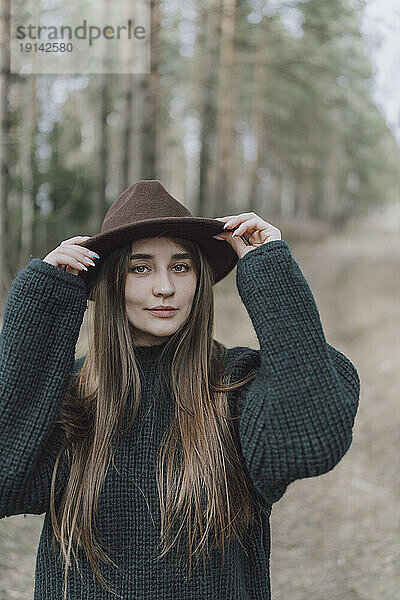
(264, 106)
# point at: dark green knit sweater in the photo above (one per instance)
(296, 420)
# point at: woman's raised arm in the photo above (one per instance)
(41, 323)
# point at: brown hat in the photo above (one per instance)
(146, 209)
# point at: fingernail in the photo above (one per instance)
(216, 237)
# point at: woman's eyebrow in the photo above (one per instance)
(174, 256)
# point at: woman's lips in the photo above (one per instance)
(163, 313)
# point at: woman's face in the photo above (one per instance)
(157, 279)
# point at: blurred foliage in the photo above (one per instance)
(306, 132)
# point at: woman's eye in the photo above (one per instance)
(183, 265)
(144, 267)
(137, 267)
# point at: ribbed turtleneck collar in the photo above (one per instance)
(149, 354)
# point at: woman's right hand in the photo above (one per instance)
(71, 255)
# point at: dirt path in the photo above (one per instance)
(337, 536)
(334, 537)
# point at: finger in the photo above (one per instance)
(238, 243)
(81, 250)
(77, 238)
(238, 220)
(248, 214)
(71, 270)
(71, 261)
(250, 225)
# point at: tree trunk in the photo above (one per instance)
(258, 115)
(127, 132)
(331, 180)
(101, 202)
(29, 107)
(210, 60)
(150, 90)
(225, 162)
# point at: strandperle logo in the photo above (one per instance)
(81, 32)
(80, 36)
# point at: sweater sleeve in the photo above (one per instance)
(41, 323)
(296, 416)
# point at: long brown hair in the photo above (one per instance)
(202, 428)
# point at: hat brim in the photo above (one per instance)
(221, 257)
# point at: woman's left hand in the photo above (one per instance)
(250, 226)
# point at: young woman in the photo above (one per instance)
(161, 444)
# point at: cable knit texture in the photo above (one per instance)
(296, 420)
